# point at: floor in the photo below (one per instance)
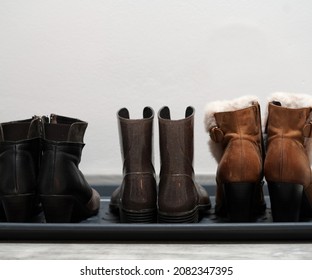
(163, 250)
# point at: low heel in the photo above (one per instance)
(18, 208)
(58, 208)
(145, 216)
(240, 199)
(2, 213)
(305, 209)
(286, 200)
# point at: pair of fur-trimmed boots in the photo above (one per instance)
(246, 154)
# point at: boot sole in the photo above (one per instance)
(134, 216)
(192, 216)
(142, 216)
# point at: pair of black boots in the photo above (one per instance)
(39, 160)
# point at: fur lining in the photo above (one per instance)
(223, 106)
(226, 106)
(294, 101)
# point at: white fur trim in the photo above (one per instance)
(224, 106)
(294, 101)
(289, 100)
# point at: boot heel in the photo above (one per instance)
(240, 201)
(2, 213)
(147, 216)
(58, 208)
(286, 201)
(18, 208)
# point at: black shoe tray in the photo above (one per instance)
(106, 227)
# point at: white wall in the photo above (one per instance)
(87, 59)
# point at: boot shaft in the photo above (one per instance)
(59, 171)
(288, 122)
(240, 124)
(62, 147)
(16, 131)
(20, 154)
(176, 142)
(136, 141)
(236, 140)
(61, 155)
(64, 129)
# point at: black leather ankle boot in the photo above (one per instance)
(19, 165)
(64, 192)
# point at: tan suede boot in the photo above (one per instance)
(287, 168)
(236, 143)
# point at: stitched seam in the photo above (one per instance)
(282, 157)
(15, 171)
(242, 169)
(53, 170)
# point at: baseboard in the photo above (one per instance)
(109, 179)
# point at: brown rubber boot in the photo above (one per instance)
(180, 198)
(135, 198)
(236, 143)
(65, 194)
(287, 168)
(20, 155)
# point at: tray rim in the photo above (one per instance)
(157, 232)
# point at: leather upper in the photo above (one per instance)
(137, 191)
(178, 191)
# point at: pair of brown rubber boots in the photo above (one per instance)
(39, 160)
(177, 198)
(282, 155)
